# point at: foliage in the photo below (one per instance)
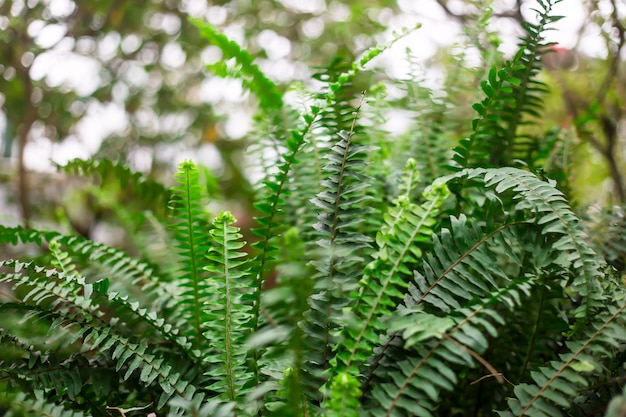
(402, 279)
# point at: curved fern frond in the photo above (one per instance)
(75, 305)
(436, 345)
(39, 406)
(555, 217)
(556, 384)
(270, 97)
(98, 261)
(150, 192)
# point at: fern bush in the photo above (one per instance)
(415, 277)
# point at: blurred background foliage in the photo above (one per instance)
(128, 81)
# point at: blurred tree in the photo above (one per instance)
(127, 80)
(140, 65)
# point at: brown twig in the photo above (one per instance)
(493, 372)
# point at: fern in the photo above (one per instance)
(146, 190)
(337, 275)
(253, 79)
(510, 94)
(395, 290)
(55, 297)
(40, 407)
(406, 225)
(556, 384)
(192, 244)
(229, 317)
(555, 217)
(271, 208)
(458, 340)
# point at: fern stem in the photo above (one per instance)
(193, 257)
(227, 317)
(493, 371)
(531, 344)
(391, 407)
(465, 255)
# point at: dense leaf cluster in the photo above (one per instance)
(420, 283)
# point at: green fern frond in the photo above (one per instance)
(446, 280)
(428, 139)
(98, 261)
(609, 228)
(151, 193)
(270, 97)
(63, 379)
(283, 340)
(511, 94)
(344, 399)
(528, 92)
(555, 217)
(336, 114)
(413, 386)
(407, 226)
(73, 304)
(39, 406)
(556, 384)
(190, 225)
(460, 269)
(229, 316)
(272, 206)
(201, 407)
(338, 262)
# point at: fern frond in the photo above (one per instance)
(336, 115)
(338, 261)
(282, 340)
(98, 261)
(609, 228)
(556, 384)
(150, 192)
(270, 97)
(229, 317)
(201, 407)
(190, 225)
(555, 217)
(39, 406)
(511, 94)
(428, 140)
(437, 344)
(528, 92)
(73, 304)
(271, 207)
(407, 226)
